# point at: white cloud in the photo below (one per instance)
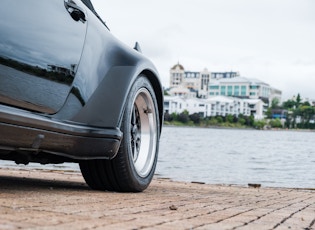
(265, 39)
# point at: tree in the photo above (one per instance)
(195, 118)
(275, 123)
(306, 113)
(298, 101)
(167, 116)
(219, 119)
(229, 118)
(242, 121)
(212, 121)
(183, 117)
(268, 113)
(275, 103)
(259, 124)
(174, 117)
(289, 104)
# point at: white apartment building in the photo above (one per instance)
(218, 93)
(244, 88)
(215, 106)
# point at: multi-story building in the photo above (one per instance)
(219, 75)
(191, 80)
(177, 74)
(203, 90)
(244, 88)
(215, 106)
(224, 93)
(196, 81)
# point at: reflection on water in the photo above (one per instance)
(226, 156)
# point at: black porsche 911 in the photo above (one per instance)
(71, 92)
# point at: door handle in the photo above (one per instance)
(75, 11)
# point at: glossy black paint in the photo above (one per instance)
(39, 53)
(64, 67)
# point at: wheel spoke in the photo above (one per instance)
(134, 116)
(135, 133)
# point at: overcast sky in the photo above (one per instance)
(270, 40)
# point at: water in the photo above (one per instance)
(228, 156)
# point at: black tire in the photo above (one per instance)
(133, 168)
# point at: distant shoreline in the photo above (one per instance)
(236, 128)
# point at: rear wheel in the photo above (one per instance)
(133, 168)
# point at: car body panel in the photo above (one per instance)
(40, 49)
(82, 114)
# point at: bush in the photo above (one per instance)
(275, 123)
(230, 118)
(260, 124)
(183, 117)
(195, 118)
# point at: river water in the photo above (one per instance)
(231, 156)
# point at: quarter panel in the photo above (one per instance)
(104, 77)
(105, 106)
(107, 70)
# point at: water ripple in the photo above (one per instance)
(228, 156)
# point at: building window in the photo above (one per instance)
(214, 87)
(243, 90)
(230, 90)
(223, 90)
(236, 90)
(253, 87)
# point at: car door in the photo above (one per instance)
(41, 43)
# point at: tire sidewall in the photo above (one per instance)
(135, 180)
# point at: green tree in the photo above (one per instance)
(268, 113)
(275, 123)
(195, 118)
(219, 119)
(174, 117)
(167, 117)
(259, 124)
(242, 121)
(306, 103)
(289, 104)
(230, 118)
(306, 113)
(298, 100)
(275, 103)
(183, 117)
(212, 121)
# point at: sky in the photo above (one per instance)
(269, 40)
